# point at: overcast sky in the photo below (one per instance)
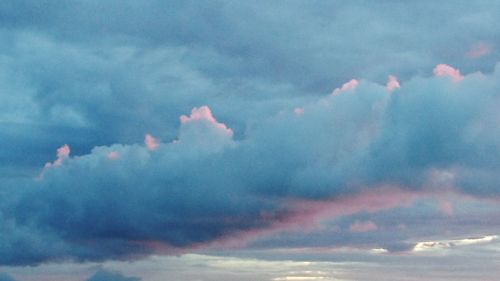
(249, 140)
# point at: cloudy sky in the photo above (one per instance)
(249, 140)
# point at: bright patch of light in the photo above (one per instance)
(444, 244)
(379, 251)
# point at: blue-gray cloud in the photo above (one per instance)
(99, 75)
(122, 201)
(95, 71)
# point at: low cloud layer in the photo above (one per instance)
(431, 134)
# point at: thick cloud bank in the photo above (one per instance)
(125, 201)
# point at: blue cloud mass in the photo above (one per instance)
(249, 118)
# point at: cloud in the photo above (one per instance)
(445, 244)
(6, 277)
(103, 275)
(208, 185)
(363, 226)
(150, 142)
(446, 70)
(479, 50)
(102, 78)
(203, 115)
(349, 85)
(269, 136)
(62, 154)
(392, 83)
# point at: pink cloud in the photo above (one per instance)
(203, 113)
(352, 84)
(363, 226)
(61, 154)
(298, 111)
(112, 155)
(478, 50)
(150, 142)
(392, 84)
(63, 151)
(306, 215)
(446, 70)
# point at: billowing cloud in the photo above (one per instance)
(62, 153)
(261, 148)
(207, 185)
(446, 70)
(392, 83)
(150, 142)
(349, 85)
(102, 79)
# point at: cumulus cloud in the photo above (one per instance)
(102, 78)
(349, 85)
(62, 154)
(392, 83)
(150, 142)
(268, 139)
(206, 185)
(446, 70)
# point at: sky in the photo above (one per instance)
(249, 140)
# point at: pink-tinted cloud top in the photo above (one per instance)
(349, 85)
(203, 113)
(446, 70)
(150, 142)
(363, 226)
(478, 50)
(112, 155)
(392, 83)
(62, 153)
